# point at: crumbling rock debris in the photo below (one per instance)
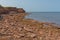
(14, 26)
(29, 34)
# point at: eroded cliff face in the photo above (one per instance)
(6, 10)
(13, 26)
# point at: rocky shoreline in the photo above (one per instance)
(13, 26)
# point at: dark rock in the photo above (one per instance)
(1, 17)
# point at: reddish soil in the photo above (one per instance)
(13, 26)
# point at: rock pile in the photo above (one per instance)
(14, 26)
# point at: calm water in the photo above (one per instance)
(53, 17)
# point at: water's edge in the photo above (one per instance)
(53, 17)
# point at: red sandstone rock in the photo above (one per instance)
(21, 10)
(6, 10)
(14, 26)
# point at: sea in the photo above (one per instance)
(52, 17)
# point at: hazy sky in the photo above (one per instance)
(34, 5)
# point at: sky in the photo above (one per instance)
(34, 5)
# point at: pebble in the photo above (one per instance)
(31, 35)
